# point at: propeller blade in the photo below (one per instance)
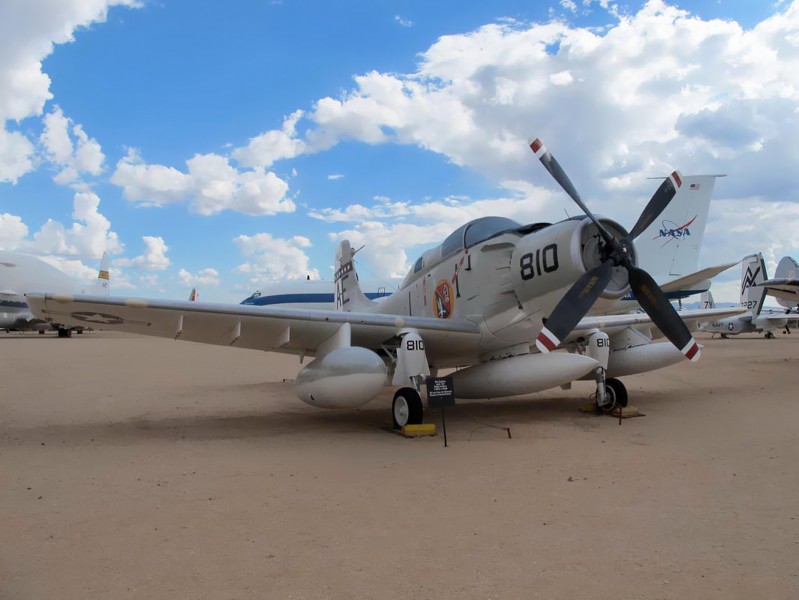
(554, 168)
(573, 306)
(659, 201)
(657, 306)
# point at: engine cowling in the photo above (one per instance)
(342, 378)
(551, 259)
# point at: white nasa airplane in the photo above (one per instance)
(753, 295)
(477, 302)
(785, 285)
(22, 273)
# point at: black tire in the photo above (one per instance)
(616, 387)
(64, 333)
(407, 409)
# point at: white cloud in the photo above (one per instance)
(16, 155)
(12, 231)
(403, 21)
(266, 148)
(204, 277)
(74, 159)
(89, 236)
(274, 259)
(335, 176)
(154, 257)
(211, 185)
(28, 32)
(150, 185)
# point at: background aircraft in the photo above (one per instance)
(753, 295)
(21, 274)
(785, 285)
(475, 302)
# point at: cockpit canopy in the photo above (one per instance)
(465, 236)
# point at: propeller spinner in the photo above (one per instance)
(614, 252)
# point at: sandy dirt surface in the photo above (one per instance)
(145, 468)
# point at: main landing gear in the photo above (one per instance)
(615, 395)
(407, 408)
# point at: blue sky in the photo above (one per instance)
(227, 145)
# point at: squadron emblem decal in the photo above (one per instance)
(444, 299)
(105, 319)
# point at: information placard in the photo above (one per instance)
(440, 392)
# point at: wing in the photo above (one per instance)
(784, 288)
(611, 324)
(687, 282)
(289, 330)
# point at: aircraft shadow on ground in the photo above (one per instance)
(473, 419)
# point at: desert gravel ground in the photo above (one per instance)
(146, 468)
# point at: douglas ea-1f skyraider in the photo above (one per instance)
(495, 300)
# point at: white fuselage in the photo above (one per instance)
(21, 274)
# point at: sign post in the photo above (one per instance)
(440, 394)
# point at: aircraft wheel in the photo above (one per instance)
(769, 335)
(616, 388)
(724, 336)
(407, 408)
(64, 333)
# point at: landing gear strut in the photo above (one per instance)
(610, 393)
(407, 408)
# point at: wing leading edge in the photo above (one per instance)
(288, 330)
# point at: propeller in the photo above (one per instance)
(614, 252)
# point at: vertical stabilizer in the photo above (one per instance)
(349, 297)
(670, 246)
(753, 274)
(787, 268)
(707, 300)
(194, 296)
(102, 285)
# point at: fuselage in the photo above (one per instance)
(21, 274)
(502, 275)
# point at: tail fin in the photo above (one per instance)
(707, 300)
(787, 268)
(753, 274)
(670, 246)
(194, 296)
(102, 285)
(349, 297)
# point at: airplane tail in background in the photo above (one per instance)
(753, 274)
(102, 285)
(787, 269)
(707, 300)
(349, 297)
(194, 296)
(670, 246)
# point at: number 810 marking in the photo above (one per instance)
(532, 263)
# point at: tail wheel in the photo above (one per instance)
(616, 387)
(407, 408)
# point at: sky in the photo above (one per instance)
(227, 145)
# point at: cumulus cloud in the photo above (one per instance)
(154, 257)
(210, 185)
(274, 259)
(84, 156)
(28, 32)
(12, 231)
(266, 148)
(204, 277)
(89, 236)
